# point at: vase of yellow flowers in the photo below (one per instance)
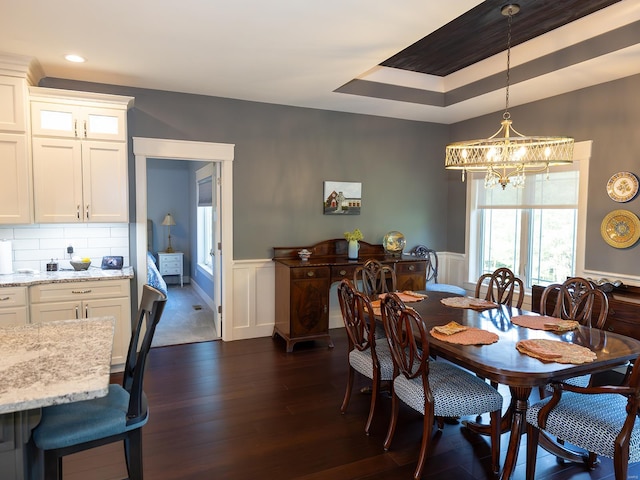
(353, 238)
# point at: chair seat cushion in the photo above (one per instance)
(591, 422)
(443, 287)
(79, 422)
(455, 392)
(362, 362)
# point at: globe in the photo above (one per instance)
(393, 243)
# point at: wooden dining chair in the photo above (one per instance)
(74, 427)
(431, 257)
(432, 388)
(502, 287)
(366, 356)
(601, 420)
(374, 278)
(576, 299)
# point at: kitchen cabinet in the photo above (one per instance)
(67, 117)
(16, 206)
(13, 103)
(15, 179)
(79, 181)
(171, 264)
(79, 143)
(13, 306)
(64, 301)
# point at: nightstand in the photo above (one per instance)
(171, 264)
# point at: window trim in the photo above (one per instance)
(582, 154)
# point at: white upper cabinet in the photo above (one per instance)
(15, 179)
(16, 205)
(71, 121)
(79, 143)
(13, 101)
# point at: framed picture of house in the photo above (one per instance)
(342, 198)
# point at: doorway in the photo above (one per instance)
(220, 154)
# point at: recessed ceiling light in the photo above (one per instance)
(75, 58)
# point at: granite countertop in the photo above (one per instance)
(19, 279)
(54, 362)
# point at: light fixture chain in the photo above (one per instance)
(506, 107)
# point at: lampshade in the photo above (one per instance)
(168, 220)
(507, 158)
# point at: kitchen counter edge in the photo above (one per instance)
(63, 276)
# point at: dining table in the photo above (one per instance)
(502, 363)
(45, 364)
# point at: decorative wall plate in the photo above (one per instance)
(622, 186)
(620, 228)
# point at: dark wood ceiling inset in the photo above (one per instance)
(482, 32)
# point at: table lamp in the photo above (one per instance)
(168, 221)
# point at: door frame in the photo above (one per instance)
(223, 153)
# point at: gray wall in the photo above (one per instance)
(283, 154)
(608, 114)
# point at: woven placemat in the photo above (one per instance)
(468, 302)
(555, 351)
(544, 323)
(406, 296)
(471, 336)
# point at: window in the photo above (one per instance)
(535, 230)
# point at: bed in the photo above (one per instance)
(153, 275)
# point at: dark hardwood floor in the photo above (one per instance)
(247, 410)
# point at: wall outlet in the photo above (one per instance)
(69, 249)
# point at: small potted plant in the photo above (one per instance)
(353, 238)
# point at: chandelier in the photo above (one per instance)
(506, 158)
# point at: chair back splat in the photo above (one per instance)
(73, 427)
(502, 287)
(431, 257)
(576, 299)
(374, 278)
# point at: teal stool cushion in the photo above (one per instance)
(79, 422)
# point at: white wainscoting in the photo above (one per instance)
(253, 291)
(253, 288)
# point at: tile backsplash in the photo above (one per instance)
(35, 245)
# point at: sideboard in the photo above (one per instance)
(624, 309)
(302, 286)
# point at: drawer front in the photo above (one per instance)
(338, 272)
(172, 263)
(309, 273)
(13, 297)
(54, 292)
(410, 268)
(171, 270)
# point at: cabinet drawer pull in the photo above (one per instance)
(311, 274)
(343, 272)
(412, 268)
(81, 291)
(4, 299)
